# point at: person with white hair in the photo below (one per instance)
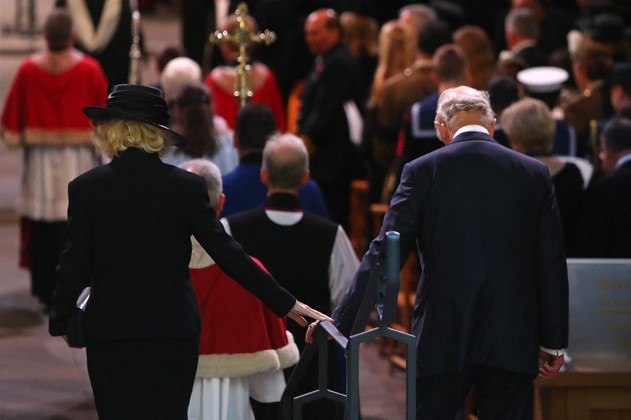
(492, 303)
(177, 73)
(191, 105)
(415, 16)
(530, 128)
(244, 346)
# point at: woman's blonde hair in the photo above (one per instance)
(117, 135)
(397, 51)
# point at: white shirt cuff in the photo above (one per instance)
(553, 352)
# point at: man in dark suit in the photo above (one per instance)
(605, 230)
(333, 81)
(492, 305)
(522, 33)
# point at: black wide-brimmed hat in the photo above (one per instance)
(141, 103)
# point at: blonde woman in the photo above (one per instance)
(129, 230)
(397, 51)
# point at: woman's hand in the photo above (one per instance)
(300, 310)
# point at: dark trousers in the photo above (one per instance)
(500, 394)
(141, 379)
(48, 241)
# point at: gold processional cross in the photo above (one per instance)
(242, 37)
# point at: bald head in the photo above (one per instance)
(285, 163)
(323, 31)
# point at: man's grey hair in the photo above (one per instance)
(522, 21)
(421, 12)
(211, 173)
(285, 159)
(176, 74)
(463, 98)
(529, 123)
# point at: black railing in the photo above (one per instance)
(382, 290)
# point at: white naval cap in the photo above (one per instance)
(542, 79)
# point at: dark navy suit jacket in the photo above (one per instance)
(129, 228)
(494, 277)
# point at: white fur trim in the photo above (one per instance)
(91, 40)
(289, 354)
(242, 364)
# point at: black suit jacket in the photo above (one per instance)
(333, 80)
(605, 230)
(129, 228)
(494, 277)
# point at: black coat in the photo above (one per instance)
(494, 284)
(605, 230)
(334, 80)
(129, 228)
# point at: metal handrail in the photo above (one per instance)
(382, 289)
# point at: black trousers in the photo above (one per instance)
(500, 394)
(142, 378)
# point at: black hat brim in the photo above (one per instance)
(99, 115)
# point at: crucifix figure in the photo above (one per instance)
(242, 37)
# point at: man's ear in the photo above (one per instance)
(264, 178)
(492, 127)
(220, 204)
(305, 178)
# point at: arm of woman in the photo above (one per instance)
(233, 260)
(74, 265)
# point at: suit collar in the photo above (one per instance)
(472, 135)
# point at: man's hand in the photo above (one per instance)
(300, 310)
(310, 330)
(549, 365)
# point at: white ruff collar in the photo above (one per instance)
(92, 41)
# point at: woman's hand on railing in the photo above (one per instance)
(300, 310)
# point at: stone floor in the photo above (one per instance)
(40, 377)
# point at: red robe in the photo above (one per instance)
(225, 105)
(46, 109)
(240, 335)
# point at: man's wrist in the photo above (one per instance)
(554, 352)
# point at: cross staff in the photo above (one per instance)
(242, 37)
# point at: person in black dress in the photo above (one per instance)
(129, 229)
(530, 129)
